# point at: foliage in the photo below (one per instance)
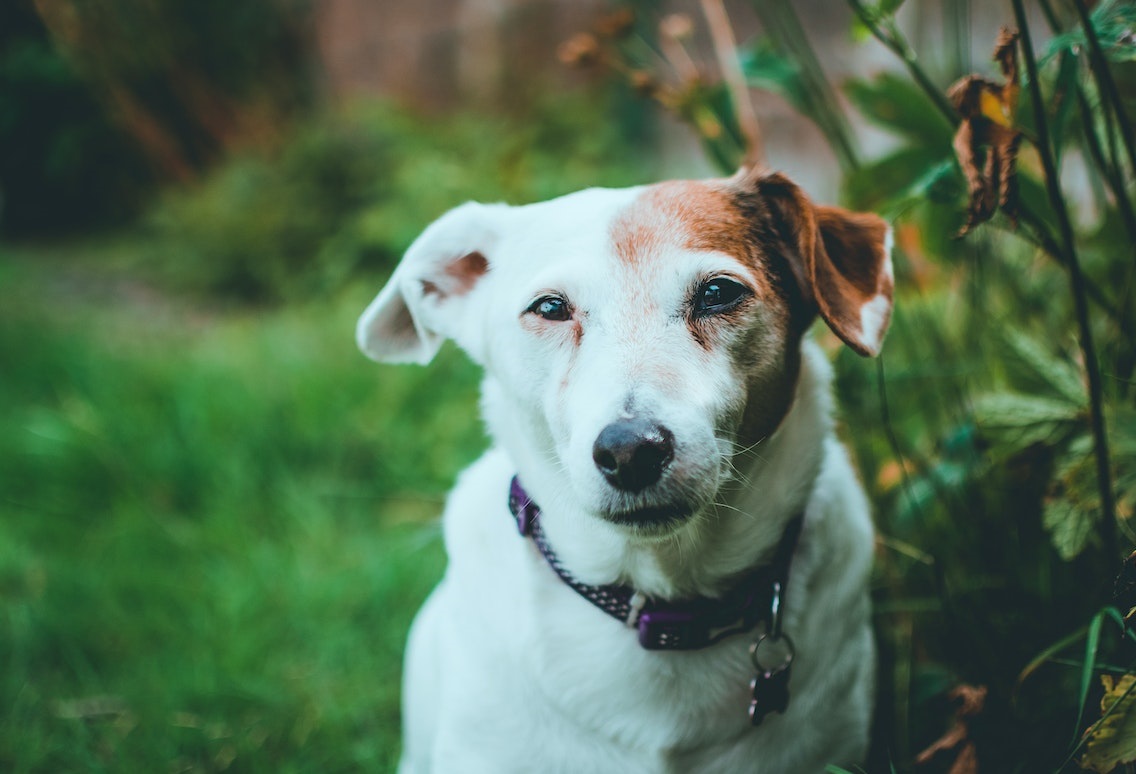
(63, 164)
(351, 191)
(188, 79)
(100, 99)
(992, 460)
(1113, 743)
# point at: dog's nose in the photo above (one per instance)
(632, 453)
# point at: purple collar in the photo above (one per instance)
(686, 624)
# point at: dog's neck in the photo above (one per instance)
(773, 483)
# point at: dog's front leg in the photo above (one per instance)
(422, 686)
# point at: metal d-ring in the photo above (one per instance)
(790, 651)
(774, 636)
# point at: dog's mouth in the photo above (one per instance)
(653, 519)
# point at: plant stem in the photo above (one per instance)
(897, 44)
(1105, 82)
(1110, 172)
(956, 23)
(786, 32)
(1081, 307)
(726, 49)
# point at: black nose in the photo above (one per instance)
(632, 453)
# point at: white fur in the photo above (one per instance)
(874, 317)
(508, 669)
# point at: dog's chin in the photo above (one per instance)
(652, 521)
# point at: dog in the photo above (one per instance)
(661, 564)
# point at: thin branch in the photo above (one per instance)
(1081, 307)
(1040, 237)
(726, 49)
(785, 31)
(1105, 82)
(1110, 172)
(897, 44)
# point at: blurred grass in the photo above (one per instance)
(217, 518)
(215, 527)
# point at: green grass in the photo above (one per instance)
(214, 527)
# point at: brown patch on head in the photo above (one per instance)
(698, 215)
(804, 259)
(761, 336)
(708, 215)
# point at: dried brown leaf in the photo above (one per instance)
(986, 143)
(971, 700)
(617, 24)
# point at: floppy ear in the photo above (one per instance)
(426, 299)
(843, 261)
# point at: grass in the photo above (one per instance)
(214, 528)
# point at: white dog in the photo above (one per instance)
(666, 433)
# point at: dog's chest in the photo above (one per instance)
(537, 645)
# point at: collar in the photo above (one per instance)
(684, 624)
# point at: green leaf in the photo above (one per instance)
(1112, 741)
(1073, 506)
(889, 182)
(1115, 25)
(1070, 527)
(765, 67)
(1033, 368)
(1092, 645)
(941, 184)
(1015, 422)
(898, 105)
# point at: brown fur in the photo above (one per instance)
(713, 216)
(806, 259)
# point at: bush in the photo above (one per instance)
(352, 191)
(63, 165)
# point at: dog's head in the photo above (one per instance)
(635, 340)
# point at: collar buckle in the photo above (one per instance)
(671, 630)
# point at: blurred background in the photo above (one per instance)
(217, 518)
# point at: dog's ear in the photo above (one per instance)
(843, 260)
(425, 300)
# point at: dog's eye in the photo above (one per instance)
(717, 295)
(551, 308)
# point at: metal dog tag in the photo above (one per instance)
(770, 694)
